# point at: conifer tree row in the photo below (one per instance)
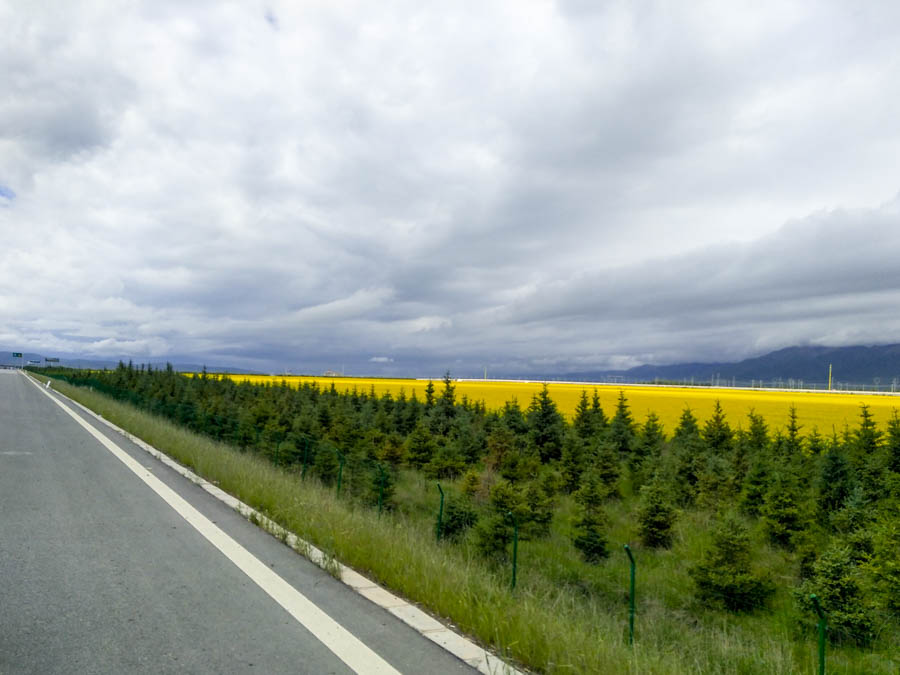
(828, 502)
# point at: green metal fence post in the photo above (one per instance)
(823, 626)
(630, 598)
(515, 520)
(440, 513)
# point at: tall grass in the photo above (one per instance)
(563, 617)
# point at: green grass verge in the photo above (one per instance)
(564, 617)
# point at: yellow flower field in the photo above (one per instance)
(825, 410)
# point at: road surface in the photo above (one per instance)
(104, 572)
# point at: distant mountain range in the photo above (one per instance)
(793, 366)
(850, 365)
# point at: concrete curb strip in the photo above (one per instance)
(423, 623)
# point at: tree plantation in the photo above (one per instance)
(733, 522)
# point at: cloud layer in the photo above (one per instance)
(407, 188)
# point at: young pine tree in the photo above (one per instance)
(688, 458)
(604, 464)
(392, 450)
(444, 411)
(446, 462)
(835, 580)
(758, 433)
(494, 532)
(725, 576)
(546, 426)
(469, 440)
(572, 462)
(599, 417)
(327, 463)
(892, 445)
(792, 441)
(471, 483)
(853, 522)
(589, 535)
(836, 480)
(715, 482)
(583, 422)
(510, 455)
(782, 511)
(815, 444)
(382, 487)
(866, 455)
(540, 504)
(429, 396)
(646, 450)
(514, 419)
(652, 437)
(656, 515)
(740, 456)
(884, 562)
(621, 429)
(717, 433)
(459, 516)
(420, 446)
(589, 421)
(755, 487)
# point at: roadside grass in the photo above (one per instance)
(564, 616)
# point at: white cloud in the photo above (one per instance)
(520, 183)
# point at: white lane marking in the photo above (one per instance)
(346, 646)
(464, 649)
(9, 453)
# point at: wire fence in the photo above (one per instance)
(877, 385)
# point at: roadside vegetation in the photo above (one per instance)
(732, 527)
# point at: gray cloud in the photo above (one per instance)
(549, 186)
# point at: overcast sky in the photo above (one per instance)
(406, 187)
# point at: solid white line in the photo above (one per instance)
(347, 647)
(461, 647)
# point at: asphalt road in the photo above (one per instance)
(99, 574)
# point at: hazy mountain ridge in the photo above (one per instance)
(857, 364)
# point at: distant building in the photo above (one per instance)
(332, 373)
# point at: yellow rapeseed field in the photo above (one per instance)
(824, 410)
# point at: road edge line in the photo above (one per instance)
(346, 646)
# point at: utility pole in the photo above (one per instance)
(829, 377)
